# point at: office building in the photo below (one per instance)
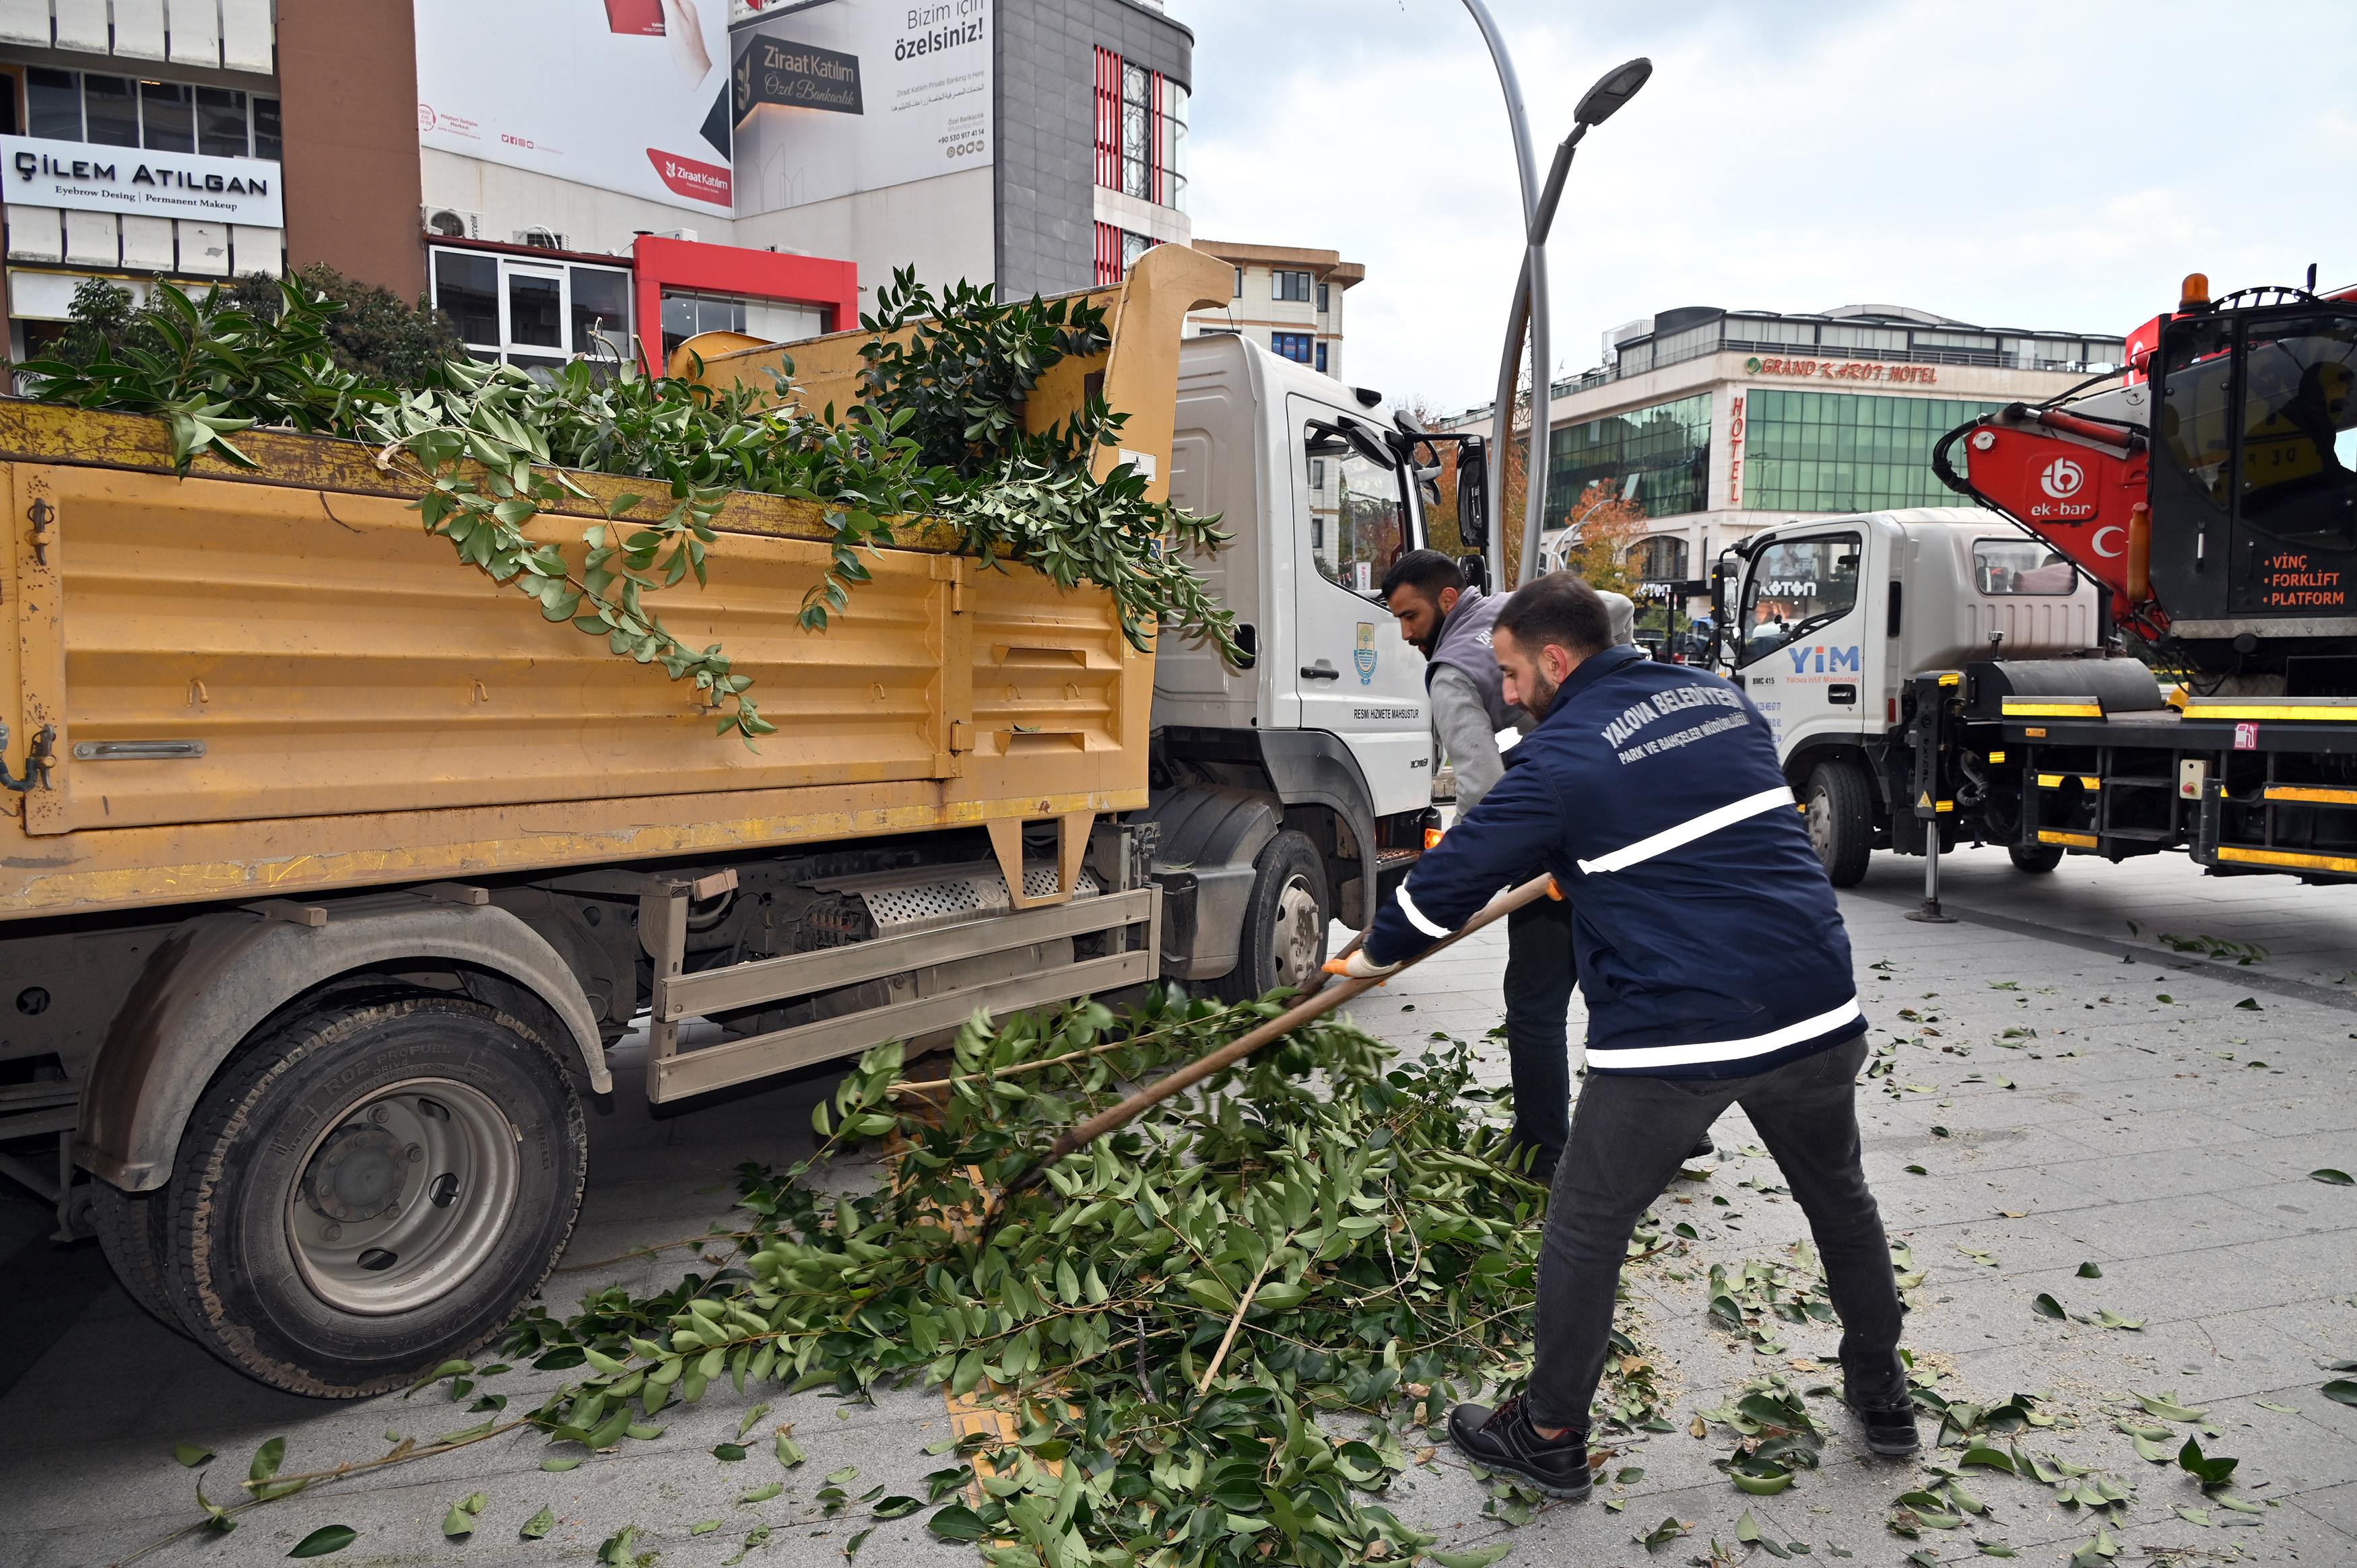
(558, 175)
(1721, 422)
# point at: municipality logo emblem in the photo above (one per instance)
(1365, 656)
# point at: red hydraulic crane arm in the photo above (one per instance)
(2077, 483)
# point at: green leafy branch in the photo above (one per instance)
(484, 517)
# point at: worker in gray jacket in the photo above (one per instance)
(1449, 623)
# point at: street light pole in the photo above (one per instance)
(1529, 313)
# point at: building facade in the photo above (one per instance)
(558, 175)
(1289, 301)
(1719, 423)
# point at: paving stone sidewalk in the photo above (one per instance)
(2065, 1107)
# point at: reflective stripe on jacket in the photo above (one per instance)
(1708, 940)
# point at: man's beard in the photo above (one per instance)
(1540, 699)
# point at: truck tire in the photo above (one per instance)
(370, 1188)
(129, 1226)
(1841, 821)
(1284, 937)
(2035, 857)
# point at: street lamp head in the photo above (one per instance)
(1615, 88)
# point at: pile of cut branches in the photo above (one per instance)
(1215, 1326)
(938, 435)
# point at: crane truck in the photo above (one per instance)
(329, 882)
(2140, 641)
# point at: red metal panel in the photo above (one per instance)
(1108, 255)
(1108, 130)
(733, 269)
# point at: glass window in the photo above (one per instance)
(1358, 522)
(1174, 144)
(2020, 567)
(2300, 431)
(601, 310)
(1662, 559)
(1239, 283)
(1294, 346)
(1795, 588)
(1290, 285)
(1810, 451)
(111, 112)
(685, 315)
(467, 288)
(534, 314)
(1325, 297)
(220, 122)
(52, 104)
(1137, 145)
(167, 117)
(266, 141)
(1134, 245)
(1321, 358)
(1665, 448)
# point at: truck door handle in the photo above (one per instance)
(1321, 671)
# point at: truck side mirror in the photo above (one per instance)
(1473, 492)
(1476, 572)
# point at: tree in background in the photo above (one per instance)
(1606, 531)
(1440, 517)
(375, 335)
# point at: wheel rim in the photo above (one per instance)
(1821, 824)
(403, 1197)
(1297, 934)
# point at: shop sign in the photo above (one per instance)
(1845, 369)
(89, 177)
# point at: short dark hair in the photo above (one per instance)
(1428, 571)
(1558, 608)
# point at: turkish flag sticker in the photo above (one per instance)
(692, 178)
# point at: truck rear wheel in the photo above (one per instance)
(371, 1188)
(1841, 821)
(1284, 937)
(2035, 857)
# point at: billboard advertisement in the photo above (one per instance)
(833, 97)
(630, 96)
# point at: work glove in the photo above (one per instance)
(1358, 966)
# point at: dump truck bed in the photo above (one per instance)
(256, 684)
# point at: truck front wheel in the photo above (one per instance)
(369, 1189)
(1841, 821)
(2035, 857)
(1284, 937)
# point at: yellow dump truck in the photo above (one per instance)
(335, 875)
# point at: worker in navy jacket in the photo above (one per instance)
(1715, 970)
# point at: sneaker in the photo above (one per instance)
(1882, 1401)
(1504, 1440)
(1889, 1431)
(1704, 1149)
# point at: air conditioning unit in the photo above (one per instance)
(451, 223)
(542, 238)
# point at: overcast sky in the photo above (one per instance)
(2054, 166)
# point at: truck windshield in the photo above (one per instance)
(2300, 431)
(1358, 517)
(1795, 586)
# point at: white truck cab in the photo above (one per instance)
(1825, 623)
(1293, 789)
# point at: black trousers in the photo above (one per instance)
(1541, 970)
(1627, 1140)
